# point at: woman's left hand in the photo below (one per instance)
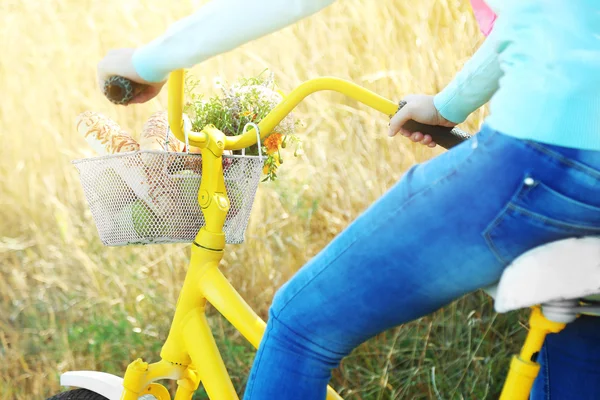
(419, 108)
(119, 62)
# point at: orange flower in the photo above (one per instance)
(273, 142)
(248, 114)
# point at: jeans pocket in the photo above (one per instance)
(535, 215)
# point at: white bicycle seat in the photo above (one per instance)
(555, 274)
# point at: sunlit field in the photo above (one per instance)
(68, 302)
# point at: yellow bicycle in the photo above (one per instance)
(190, 355)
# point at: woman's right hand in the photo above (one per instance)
(419, 108)
(119, 62)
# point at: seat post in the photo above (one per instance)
(563, 311)
(523, 368)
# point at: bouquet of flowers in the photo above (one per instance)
(248, 100)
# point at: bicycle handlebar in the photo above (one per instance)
(120, 90)
(443, 136)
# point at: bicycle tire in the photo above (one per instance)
(77, 394)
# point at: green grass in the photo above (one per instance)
(459, 352)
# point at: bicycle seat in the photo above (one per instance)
(559, 274)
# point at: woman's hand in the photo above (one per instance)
(119, 62)
(419, 108)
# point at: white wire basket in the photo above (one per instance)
(151, 197)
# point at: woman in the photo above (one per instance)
(530, 176)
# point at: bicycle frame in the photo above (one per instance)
(190, 354)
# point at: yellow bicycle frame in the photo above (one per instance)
(190, 354)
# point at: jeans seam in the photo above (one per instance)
(518, 194)
(487, 234)
(306, 338)
(564, 160)
(565, 198)
(553, 222)
(256, 366)
(390, 215)
(547, 377)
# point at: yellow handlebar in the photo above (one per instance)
(175, 107)
(175, 110)
(297, 95)
(445, 137)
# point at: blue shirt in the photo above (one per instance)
(540, 70)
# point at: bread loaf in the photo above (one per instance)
(196, 150)
(154, 134)
(104, 135)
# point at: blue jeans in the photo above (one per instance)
(448, 227)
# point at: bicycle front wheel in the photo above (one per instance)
(78, 394)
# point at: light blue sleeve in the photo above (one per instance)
(218, 27)
(473, 86)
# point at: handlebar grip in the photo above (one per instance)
(443, 136)
(120, 90)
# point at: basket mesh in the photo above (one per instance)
(152, 196)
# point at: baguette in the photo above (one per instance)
(197, 150)
(163, 193)
(154, 134)
(104, 135)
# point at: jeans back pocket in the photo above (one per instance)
(535, 215)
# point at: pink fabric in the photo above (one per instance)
(484, 15)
